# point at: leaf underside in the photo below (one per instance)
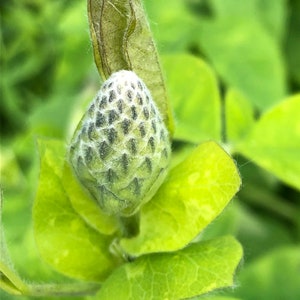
(122, 39)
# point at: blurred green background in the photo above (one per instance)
(47, 73)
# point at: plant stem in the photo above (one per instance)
(63, 290)
(129, 228)
(130, 225)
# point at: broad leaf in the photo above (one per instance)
(197, 269)
(274, 14)
(254, 68)
(63, 238)
(274, 142)
(271, 14)
(169, 19)
(195, 98)
(122, 40)
(194, 193)
(11, 282)
(274, 276)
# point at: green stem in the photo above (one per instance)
(255, 194)
(130, 225)
(129, 228)
(14, 285)
(62, 290)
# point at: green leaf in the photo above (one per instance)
(254, 68)
(228, 223)
(194, 193)
(239, 116)
(122, 39)
(171, 19)
(86, 207)
(271, 14)
(197, 269)
(274, 276)
(274, 142)
(195, 98)
(64, 240)
(11, 282)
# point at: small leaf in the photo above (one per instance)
(63, 238)
(274, 142)
(194, 193)
(195, 270)
(239, 116)
(122, 39)
(195, 98)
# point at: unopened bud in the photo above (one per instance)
(120, 150)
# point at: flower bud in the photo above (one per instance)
(120, 150)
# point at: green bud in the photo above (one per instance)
(120, 150)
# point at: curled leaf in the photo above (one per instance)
(122, 39)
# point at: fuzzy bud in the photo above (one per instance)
(120, 150)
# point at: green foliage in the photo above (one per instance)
(35, 61)
(73, 248)
(242, 41)
(232, 76)
(273, 269)
(239, 116)
(187, 202)
(161, 276)
(254, 68)
(196, 95)
(62, 237)
(274, 141)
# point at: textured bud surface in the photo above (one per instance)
(120, 150)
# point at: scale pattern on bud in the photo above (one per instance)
(120, 150)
